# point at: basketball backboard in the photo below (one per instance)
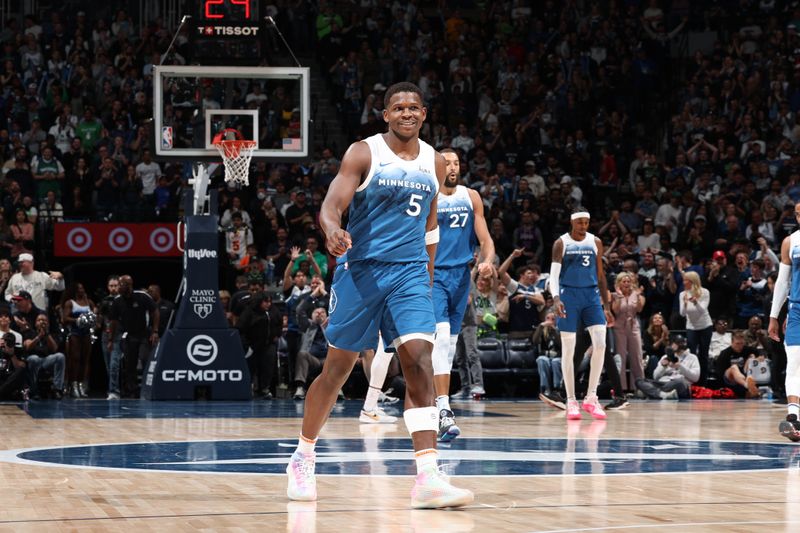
(267, 104)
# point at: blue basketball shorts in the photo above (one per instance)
(581, 304)
(792, 337)
(371, 296)
(450, 295)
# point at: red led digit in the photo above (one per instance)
(246, 4)
(209, 14)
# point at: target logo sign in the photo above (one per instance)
(162, 240)
(79, 239)
(120, 239)
(75, 239)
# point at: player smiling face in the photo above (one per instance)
(405, 114)
(453, 169)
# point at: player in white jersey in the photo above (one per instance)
(580, 294)
(789, 276)
(388, 184)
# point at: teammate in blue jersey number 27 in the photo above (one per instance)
(578, 285)
(382, 283)
(460, 215)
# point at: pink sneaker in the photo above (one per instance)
(573, 411)
(592, 406)
(302, 484)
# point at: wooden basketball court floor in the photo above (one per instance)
(94, 465)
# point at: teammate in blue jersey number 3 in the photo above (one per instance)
(578, 285)
(389, 183)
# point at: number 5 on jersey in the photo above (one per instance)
(415, 208)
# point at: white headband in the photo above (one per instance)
(579, 214)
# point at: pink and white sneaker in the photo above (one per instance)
(433, 490)
(573, 411)
(302, 484)
(592, 406)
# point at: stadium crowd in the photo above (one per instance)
(688, 162)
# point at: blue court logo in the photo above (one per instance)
(390, 456)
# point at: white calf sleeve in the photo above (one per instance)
(379, 367)
(568, 363)
(793, 371)
(598, 335)
(441, 349)
(377, 376)
(451, 354)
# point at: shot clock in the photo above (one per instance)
(227, 32)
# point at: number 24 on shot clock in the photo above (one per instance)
(227, 11)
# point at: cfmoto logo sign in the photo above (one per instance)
(202, 350)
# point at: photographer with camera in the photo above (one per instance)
(13, 370)
(41, 349)
(676, 372)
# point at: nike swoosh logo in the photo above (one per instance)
(383, 164)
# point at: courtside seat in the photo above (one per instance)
(493, 356)
(520, 356)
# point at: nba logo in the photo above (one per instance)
(166, 137)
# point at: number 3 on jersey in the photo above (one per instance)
(415, 208)
(585, 261)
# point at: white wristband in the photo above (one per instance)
(555, 273)
(432, 237)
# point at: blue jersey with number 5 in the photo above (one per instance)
(390, 208)
(456, 229)
(579, 264)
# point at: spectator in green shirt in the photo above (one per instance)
(89, 130)
(312, 248)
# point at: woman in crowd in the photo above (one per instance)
(655, 340)
(694, 306)
(77, 317)
(626, 304)
(22, 234)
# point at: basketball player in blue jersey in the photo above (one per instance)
(460, 216)
(789, 275)
(578, 285)
(382, 284)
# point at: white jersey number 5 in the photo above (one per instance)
(415, 208)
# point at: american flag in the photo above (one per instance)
(292, 144)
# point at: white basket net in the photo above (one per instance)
(236, 157)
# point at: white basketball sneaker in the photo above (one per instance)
(376, 416)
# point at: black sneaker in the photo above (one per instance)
(553, 399)
(780, 401)
(790, 428)
(448, 430)
(617, 403)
